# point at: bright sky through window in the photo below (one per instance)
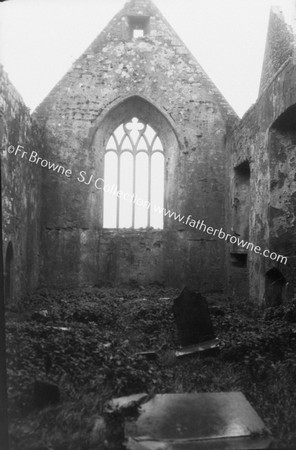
(134, 163)
(138, 33)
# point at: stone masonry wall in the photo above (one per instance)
(157, 78)
(20, 191)
(279, 46)
(265, 138)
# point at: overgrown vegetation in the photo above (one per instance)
(87, 341)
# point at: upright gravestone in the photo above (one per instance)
(192, 318)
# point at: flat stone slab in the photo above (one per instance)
(223, 420)
(150, 355)
(221, 444)
(207, 346)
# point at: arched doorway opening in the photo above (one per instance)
(275, 284)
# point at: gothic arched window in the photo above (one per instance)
(133, 177)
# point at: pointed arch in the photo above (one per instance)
(156, 138)
(144, 107)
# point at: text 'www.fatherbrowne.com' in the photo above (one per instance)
(221, 234)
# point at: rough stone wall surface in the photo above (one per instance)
(20, 190)
(261, 139)
(282, 209)
(279, 47)
(159, 77)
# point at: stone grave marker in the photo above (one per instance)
(192, 318)
(199, 421)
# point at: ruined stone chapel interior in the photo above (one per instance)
(137, 113)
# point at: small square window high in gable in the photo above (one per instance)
(139, 26)
(137, 33)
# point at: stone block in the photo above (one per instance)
(201, 421)
(192, 318)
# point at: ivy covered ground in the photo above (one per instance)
(86, 341)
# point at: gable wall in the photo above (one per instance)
(157, 69)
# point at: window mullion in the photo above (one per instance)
(134, 186)
(149, 186)
(118, 188)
